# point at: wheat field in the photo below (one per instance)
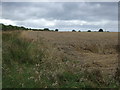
(61, 59)
(90, 49)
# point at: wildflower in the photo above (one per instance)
(36, 72)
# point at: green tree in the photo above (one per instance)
(46, 29)
(73, 31)
(100, 30)
(56, 30)
(89, 31)
(79, 31)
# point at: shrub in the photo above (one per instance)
(20, 50)
(73, 31)
(56, 30)
(117, 75)
(89, 31)
(46, 29)
(100, 30)
(79, 31)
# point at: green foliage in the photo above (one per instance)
(19, 57)
(100, 30)
(11, 27)
(79, 31)
(73, 31)
(56, 30)
(89, 31)
(46, 29)
(16, 49)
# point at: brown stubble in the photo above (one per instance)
(85, 50)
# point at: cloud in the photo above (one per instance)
(61, 14)
(7, 22)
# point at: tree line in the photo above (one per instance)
(100, 30)
(11, 28)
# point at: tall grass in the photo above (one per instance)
(99, 46)
(37, 64)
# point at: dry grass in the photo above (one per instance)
(91, 49)
(64, 59)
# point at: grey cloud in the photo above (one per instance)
(62, 10)
(22, 12)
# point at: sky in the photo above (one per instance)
(64, 16)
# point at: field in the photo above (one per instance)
(46, 59)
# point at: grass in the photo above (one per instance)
(39, 63)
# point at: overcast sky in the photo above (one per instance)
(64, 16)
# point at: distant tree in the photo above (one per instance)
(100, 30)
(52, 30)
(79, 31)
(11, 28)
(73, 31)
(3, 27)
(27, 29)
(56, 30)
(46, 29)
(22, 28)
(89, 31)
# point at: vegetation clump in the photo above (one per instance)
(89, 31)
(56, 30)
(73, 31)
(100, 30)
